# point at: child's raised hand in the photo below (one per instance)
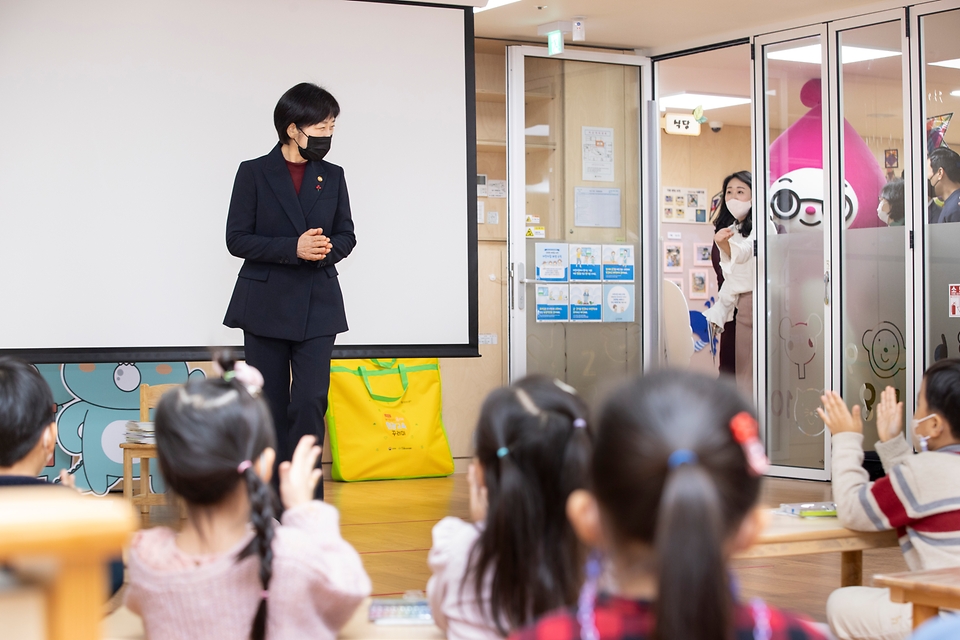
(889, 415)
(299, 476)
(837, 417)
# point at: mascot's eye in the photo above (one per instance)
(847, 208)
(785, 204)
(126, 377)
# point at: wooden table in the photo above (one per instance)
(927, 591)
(360, 628)
(794, 536)
(80, 534)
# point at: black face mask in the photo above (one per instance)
(317, 147)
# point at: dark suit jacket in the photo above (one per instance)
(278, 295)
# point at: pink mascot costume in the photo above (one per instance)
(796, 171)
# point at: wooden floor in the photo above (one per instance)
(389, 523)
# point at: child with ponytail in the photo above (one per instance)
(233, 571)
(519, 557)
(673, 493)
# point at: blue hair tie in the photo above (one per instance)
(502, 451)
(681, 456)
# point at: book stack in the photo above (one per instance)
(400, 611)
(141, 432)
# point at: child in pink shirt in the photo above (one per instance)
(233, 571)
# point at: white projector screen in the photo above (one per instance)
(122, 125)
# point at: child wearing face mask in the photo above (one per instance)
(919, 497)
(736, 275)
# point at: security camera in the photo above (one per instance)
(715, 126)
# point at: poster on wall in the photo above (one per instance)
(672, 257)
(553, 303)
(596, 208)
(586, 301)
(684, 204)
(618, 303)
(698, 285)
(597, 154)
(551, 262)
(618, 262)
(585, 262)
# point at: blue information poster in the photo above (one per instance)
(551, 262)
(618, 303)
(618, 263)
(553, 302)
(585, 262)
(586, 302)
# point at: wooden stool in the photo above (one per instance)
(144, 498)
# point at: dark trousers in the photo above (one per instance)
(298, 409)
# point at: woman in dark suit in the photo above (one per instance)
(290, 221)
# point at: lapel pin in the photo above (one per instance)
(319, 178)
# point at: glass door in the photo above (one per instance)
(936, 196)
(872, 154)
(793, 293)
(573, 159)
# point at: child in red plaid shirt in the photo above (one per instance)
(675, 480)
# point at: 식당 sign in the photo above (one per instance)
(681, 124)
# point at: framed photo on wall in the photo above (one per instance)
(891, 158)
(698, 285)
(701, 254)
(672, 257)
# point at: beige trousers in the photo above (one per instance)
(866, 613)
(744, 344)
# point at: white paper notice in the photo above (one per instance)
(480, 217)
(597, 154)
(596, 207)
(496, 188)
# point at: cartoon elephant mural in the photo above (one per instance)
(92, 426)
(62, 396)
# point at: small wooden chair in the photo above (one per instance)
(144, 498)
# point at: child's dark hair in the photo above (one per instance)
(208, 434)
(942, 391)
(724, 218)
(26, 409)
(685, 505)
(533, 443)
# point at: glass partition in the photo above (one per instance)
(940, 102)
(797, 214)
(876, 218)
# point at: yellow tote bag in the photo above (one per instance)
(384, 420)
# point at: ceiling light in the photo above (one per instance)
(493, 4)
(950, 64)
(693, 100)
(812, 54)
(955, 94)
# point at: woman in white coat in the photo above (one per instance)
(739, 266)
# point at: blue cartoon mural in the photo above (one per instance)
(95, 401)
(62, 396)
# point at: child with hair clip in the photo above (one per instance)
(919, 496)
(674, 485)
(519, 557)
(233, 571)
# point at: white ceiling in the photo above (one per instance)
(642, 24)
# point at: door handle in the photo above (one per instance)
(522, 289)
(826, 288)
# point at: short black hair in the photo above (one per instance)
(304, 105)
(26, 409)
(892, 192)
(948, 160)
(943, 391)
